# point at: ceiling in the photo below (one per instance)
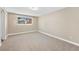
(26, 11)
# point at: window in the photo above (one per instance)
(23, 20)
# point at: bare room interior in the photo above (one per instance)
(39, 28)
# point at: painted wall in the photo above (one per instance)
(14, 28)
(63, 24)
(74, 24)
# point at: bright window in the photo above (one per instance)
(23, 20)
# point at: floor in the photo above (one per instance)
(36, 42)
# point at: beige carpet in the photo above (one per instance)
(36, 42)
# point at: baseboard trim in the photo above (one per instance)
(74, 43)
(21, 33)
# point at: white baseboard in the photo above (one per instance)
(74, 43)
(21, 32)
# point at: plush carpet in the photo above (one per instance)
(36, 42)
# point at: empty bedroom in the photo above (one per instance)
(39, 29)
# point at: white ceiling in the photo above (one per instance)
(27, 11)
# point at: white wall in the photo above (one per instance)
(55, 24)
(63, 24)
(74, 24)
